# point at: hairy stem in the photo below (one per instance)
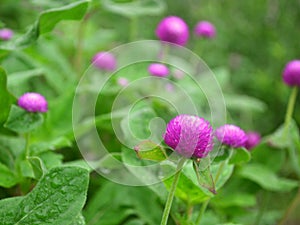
(170, 198)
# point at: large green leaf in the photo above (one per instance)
(266, 178)
(47, 21)
(57, 199)
(21, 121)
(6, 99)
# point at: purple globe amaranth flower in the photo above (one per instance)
(6, 34)
(291, 73)
(205, 29)
(105, 61)
(190, 136)
(253, 140)
(33, 102)
(158, 70)
(173, 29)
(231, 135)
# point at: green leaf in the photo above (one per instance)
(125, 201)
(240, 155)
(266, 178)
(135, 8)
(267, 155)
(21, 121)
(280, 139)
(187, 190)
(55, 144)
(19, 78)
(224, 171)
(8, 208)
(25, 168)
(38, 167)
(7, 178)
(57, 198)
(47, 21)
(10, 149)
(204, 175)
(51, 159)
(239, 199)
(6, 99)
(79, 163)
(245, 103)
(150, 151)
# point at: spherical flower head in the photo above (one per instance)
(6, 34)
(205, 29)
(33, 102)
(158, 70)
(253, 140)
(190, 136)
(105, 61)
(173, 29)
(291, 73)
(231, 135)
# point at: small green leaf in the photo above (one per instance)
(57, 199)
(21, 121)
(266, 178)
(204, 175)
(6, 99)
(240, 155)
(221, 172)
(7, 178)
(51, 159)
(150, 151)
(25, 168)
(38, 166)
(135, 8)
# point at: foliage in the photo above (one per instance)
(44, 179)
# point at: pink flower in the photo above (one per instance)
(33, 102)
(173, 29)
(190, 136)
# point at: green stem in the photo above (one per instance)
(27, 140)
(170, 198)
(286, 131)
(202, 210)
(290, 109)
(290, 209)
(133, 28)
